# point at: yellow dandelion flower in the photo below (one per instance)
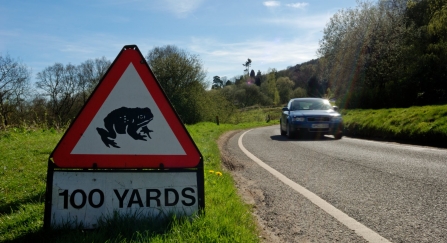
(211, 171)
(219, 173)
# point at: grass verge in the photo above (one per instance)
(418, 125)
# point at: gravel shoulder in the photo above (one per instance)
(249, 195)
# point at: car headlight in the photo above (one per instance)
(337, 119)
(300, 119)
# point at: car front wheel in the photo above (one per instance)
(338, 136)
(283, 133)
(289, 133)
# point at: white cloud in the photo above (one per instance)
(218, 58)
(181, 8)
(70, 50)
(301, 22)
(272, 3)
(297, 5)
(223, 59)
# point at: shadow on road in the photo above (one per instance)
(304, 138)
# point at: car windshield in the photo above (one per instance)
(310, 105)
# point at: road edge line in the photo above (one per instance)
(360, 229)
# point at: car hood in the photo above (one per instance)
(314, 113)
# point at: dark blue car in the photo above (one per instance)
(311, 116)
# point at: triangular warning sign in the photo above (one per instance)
(128, 122)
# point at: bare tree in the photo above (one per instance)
(90, 73)
(14, 85)
(61, 84)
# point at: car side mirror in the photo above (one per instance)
(285, 109)
(335, 108)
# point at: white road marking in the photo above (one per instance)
(343, 218)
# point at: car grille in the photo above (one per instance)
(318, 129)
(319, 119)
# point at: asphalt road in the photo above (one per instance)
(399, 192)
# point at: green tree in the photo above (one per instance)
(362, 52)
(216, 104)
(285, 89)
(328, 94)
(301, 73)
(217, 83)
(244, 95)
(299, 93)
(252, 74)
(269, 87)
(258, 78)
(238, 79)
(426, 52)
(314, 87)
(182, 77)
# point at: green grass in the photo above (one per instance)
(255, 114)
(23, 158)
(425, 124)
(24, 155)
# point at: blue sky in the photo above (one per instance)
(273, 34)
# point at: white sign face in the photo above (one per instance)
(84, 196)
(131, 117)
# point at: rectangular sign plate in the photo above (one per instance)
(85, 196)
(320, 125)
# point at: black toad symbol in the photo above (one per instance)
(126, 120)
